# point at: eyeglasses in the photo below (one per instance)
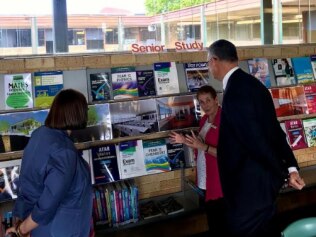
(211, 59)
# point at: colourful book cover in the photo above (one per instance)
(146, 83)
(133, 118)
(303, 70)
(9, 179)
(197, 75)
(295, 131)
(283, 71)
(310, 94)
(176, 156)
(289, 101)
(176, 112)
(166, 78)
(46, 86)
(18, 91)
(100, 86)
(104, 162)
(99, 125)
(156, 156)
(313, 63)
(259, 68)
(124, 83)
(131, 159)
(310, 131)
(16, 128)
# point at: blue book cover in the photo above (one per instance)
(303, 70)
(146, 83)
(100, 86)
(156, 156)
(176, 156)
(104, 162)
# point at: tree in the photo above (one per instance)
(160, 6)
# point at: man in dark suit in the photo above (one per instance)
(254, 157)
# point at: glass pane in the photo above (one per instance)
(22, 26)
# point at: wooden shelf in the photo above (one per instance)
(86, 145)
(296, 116)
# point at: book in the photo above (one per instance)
(176, 112)
(16, 128)
(166, 78)
(18, 91)
(146, 83)
(149, 210)
(176, 156)
(259, 68)
(313, 63)
(289, 101)
(104, 162)
(156, 156)
(124, 83)
(295, 131)
(9, 179)
(283, 71)
(310, 131)
(310, 95)
(99, 125)
(46, 87)
(170, 206)
(100, 86)
(130, 159)
(303, 70)
(132, 118)
(197, 75)
(87, 156)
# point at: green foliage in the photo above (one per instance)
(160, 6)
(4, 126)
(92, 116)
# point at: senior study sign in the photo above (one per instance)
(179, 46)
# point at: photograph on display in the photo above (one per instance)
(176, 112)
(9, 179)
(283, 71)
(16, 128)
(259, 68)
(197, 75)
(289, 100)
(98, 127)
(132, 118)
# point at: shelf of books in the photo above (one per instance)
(132, 109)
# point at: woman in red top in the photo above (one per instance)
(206, 158)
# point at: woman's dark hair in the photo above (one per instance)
(69, 111)
(206, 90)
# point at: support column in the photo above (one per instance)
(34, 35)
(266, 22)
(60, 26)
(203, 27)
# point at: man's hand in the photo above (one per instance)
(296, 181)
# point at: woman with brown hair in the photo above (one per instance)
(55, 192)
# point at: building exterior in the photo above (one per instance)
(246, 22)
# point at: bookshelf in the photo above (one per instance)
(75, 67)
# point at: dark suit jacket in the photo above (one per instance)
(253, 154)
